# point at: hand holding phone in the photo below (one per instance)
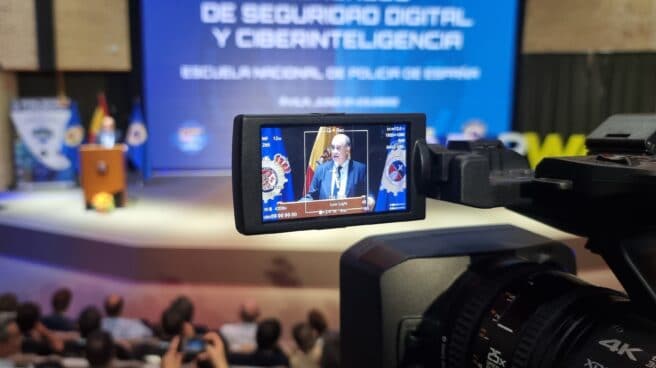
(173, 356)
(191, 345)
(214, 350)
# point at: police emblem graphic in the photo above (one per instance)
(395, 172)
(273, 176)
(137, 134)
(73, 136)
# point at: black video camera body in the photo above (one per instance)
(501, 296)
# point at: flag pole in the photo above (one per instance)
(145, 153)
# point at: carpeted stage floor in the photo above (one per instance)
(177, 236)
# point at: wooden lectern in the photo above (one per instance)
(103, 170)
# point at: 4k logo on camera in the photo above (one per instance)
(592, 364)
(616, 346)
(494, 359)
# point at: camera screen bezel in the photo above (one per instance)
(247, 171)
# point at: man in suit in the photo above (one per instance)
(341, 177)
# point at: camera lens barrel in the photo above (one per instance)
(534, 316)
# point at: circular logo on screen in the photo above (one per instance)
(191, 137)
(273, 176)
(73, 136)
(474, 129)
(395, 172)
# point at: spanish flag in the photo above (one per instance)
(98, 115)
(320, 153)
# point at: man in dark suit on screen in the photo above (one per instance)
(341, 177)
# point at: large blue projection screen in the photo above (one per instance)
(207, 61)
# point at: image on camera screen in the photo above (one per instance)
(313, 171)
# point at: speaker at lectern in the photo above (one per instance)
(103, 170)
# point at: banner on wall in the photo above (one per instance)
(48, 133)
(451, 59)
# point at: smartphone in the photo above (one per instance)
(193, 345)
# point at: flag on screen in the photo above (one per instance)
(277, 185)
(136, 138)
(392, 191)
(73, 137)
(98, 115)
(320, 153)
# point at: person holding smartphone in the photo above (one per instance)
(213, 352)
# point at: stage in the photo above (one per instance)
(177, 235)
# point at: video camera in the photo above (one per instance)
(494, 296)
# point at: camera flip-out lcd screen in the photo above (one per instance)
(295, 172)
(329, 170)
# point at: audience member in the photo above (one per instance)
(268, 353)
(58, 321)
(241, 336)
(10, 349)
(37, 339)
(317, 321)
(8, 306)
(172, 324)
(328, 341)
(10, 340)
(175, 324)
(184, 305)
(330, 354)
(119, 327)
(100, 349)
(27, 316)
(306, 355)
(88, 321)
